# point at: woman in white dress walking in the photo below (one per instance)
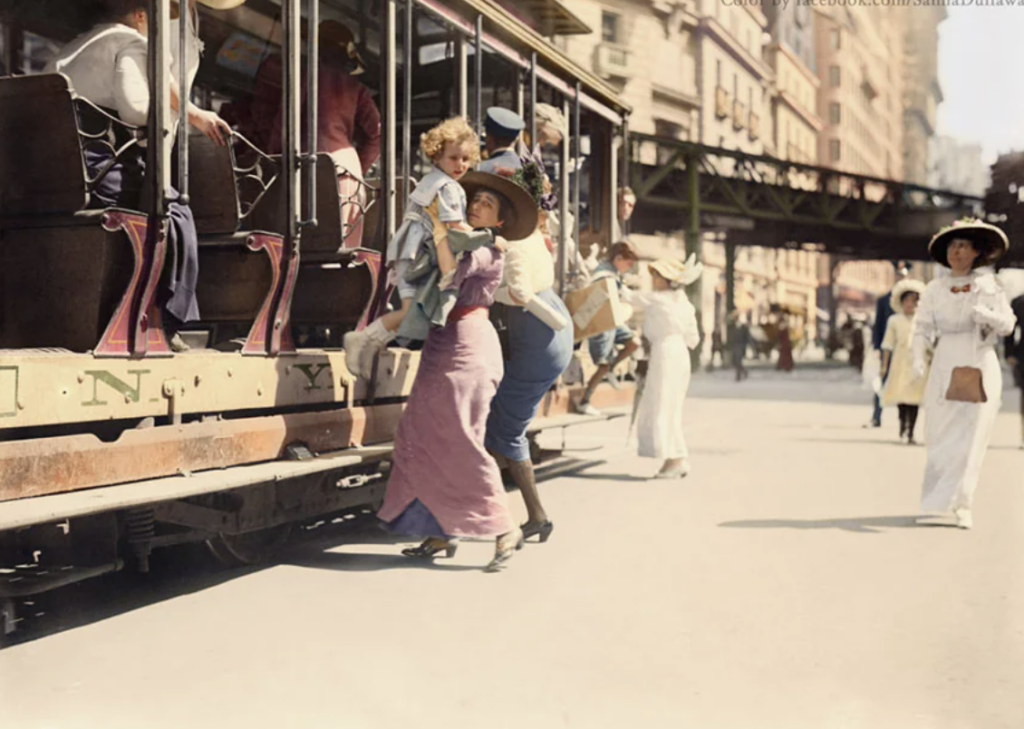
(670, 326)
(967, 312)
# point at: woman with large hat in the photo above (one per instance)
(444, 484)
(670, 326)
(539, 340)
(967, 312)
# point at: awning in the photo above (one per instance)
(547, 17)
(496, 18)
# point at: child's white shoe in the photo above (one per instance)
(361, 346)
(963, 518)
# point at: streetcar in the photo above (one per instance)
(113, 443)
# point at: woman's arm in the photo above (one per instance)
(925, 329)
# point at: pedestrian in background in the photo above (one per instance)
(785, 363)
(903, 387)
(1014, 348)
(739, 340)
(966, 312)
(670, 325)
(883, 310)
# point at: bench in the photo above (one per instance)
(338, 281)
(235, 287)
(66, 277)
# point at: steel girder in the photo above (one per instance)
(775, 203)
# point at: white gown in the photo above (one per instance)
(958, 433)
(670, 326)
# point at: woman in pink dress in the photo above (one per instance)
(444, 483)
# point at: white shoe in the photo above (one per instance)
(354, 344)
(587, 409)
(678, 472)
(361, 346)
(964, 519)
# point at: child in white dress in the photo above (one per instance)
(903, 387)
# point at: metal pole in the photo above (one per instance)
(730, 278)
(478, 77)
(389, 55)
(312, 102)
(184, 94)
(577, 165)
(533, 98)
(693, 244)
(461, 82)
(158, 148)
(407, 61)
(625, 178)
(563, 205)
(520, 95)
(291, 17)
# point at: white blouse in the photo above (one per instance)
(666, 314)
(193, 44)
(107, 66)
(529, 270)
(957, 305)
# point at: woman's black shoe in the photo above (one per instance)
(542, 530)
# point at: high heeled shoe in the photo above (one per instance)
(431, 547)
(539, 529)
(502, 556)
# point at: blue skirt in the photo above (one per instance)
(539, 355)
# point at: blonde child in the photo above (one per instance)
(453, 148)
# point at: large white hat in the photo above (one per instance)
(552, 117)
(906, 286)
(222, 4)
(677, 272)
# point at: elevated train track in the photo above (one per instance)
(774, 203)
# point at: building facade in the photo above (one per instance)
(957, 167)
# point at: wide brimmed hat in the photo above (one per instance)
(222, 4)
(990, 241)
(524, 210)
(552, 117)
(906, 286)
(677, 272)
(335, 33)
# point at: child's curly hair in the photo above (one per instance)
(456, 129)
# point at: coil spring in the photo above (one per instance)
(141, 528)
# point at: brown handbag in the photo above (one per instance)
(966, 385)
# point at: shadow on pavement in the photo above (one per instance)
(862, 441)
(174, 573)
(611, 476)
(860, 525)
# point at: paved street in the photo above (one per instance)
(783, 584)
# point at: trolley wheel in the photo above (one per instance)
(257, 547)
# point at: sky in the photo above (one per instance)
(982, 78)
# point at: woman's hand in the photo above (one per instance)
(986, 316)
(211, 125)
(920, 368)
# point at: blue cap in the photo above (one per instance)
(503, 122)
